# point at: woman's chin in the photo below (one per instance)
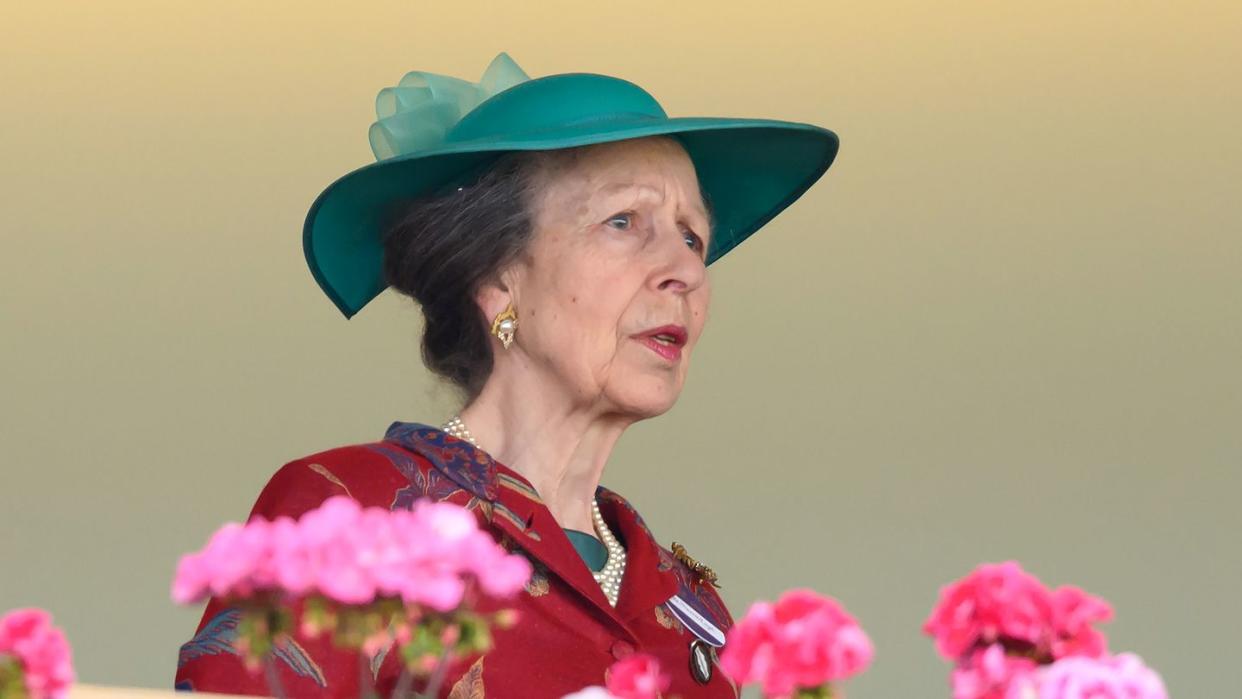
(646, 401)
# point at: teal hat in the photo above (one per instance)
(434, 130)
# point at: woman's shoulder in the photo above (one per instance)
(373, 473)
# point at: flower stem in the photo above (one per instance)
(366, 684)
(274, 685)
(437, 676)
(404, 681)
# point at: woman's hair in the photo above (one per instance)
(444, 246)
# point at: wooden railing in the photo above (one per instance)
(89, 691)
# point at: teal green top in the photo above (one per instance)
(592, 550)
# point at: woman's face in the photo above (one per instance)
(613, 293)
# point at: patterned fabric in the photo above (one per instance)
(220, 636)
(568, 634)
(470, 468)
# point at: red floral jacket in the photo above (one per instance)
(567, 635)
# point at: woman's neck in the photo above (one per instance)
(561, 450)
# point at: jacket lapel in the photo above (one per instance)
(649, 580)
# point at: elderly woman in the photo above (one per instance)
(556, 234)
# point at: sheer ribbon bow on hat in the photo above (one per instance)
(417, 113)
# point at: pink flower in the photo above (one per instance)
(292, 566)
(995, 602)
(430, 555)
(1120, 677)
(637, 677)
(335, 536)
(41, 651)
(451, 523)
(500, 574)
(804, 640)
(231, 563)
(988, 673)
(1073, 613)
(190, 582)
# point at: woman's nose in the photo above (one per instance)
(679, 267)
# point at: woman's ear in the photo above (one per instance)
(495, 296)
(492, 300)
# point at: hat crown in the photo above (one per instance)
(555, 102)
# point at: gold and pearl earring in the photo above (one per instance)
(505, 326)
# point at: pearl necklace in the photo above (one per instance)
(609, 578)
(458, 429)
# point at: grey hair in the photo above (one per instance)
(445, 246)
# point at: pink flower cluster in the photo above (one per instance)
(989, 673)
(1011, 637)
(804, 640)
(429, 555)
(1001, 603)
(41, 652)
(1122, 676)
(637, 677)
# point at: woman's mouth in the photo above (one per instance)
(665, 341)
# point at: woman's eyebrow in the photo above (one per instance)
(645, 191)
(619, 187)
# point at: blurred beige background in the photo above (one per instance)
(1007, 324)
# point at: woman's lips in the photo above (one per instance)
(669, 352)
(665, 341)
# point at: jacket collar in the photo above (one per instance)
(472, 469)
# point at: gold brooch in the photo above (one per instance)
(705, 573)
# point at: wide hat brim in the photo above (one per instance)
(749, 171)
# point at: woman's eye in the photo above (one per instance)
(692, 239)
(621, 221)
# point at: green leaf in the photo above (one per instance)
(12, 680)
(823, 691)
